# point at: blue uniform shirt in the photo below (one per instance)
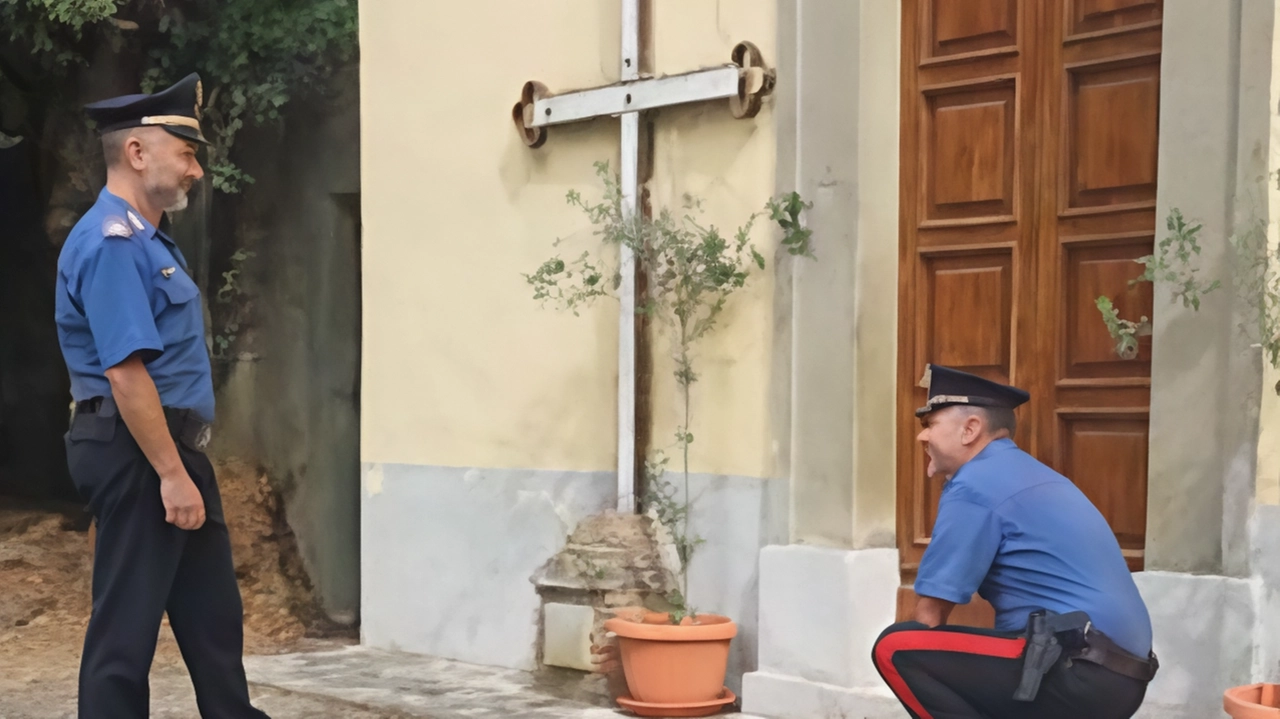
(123, 288)
(1026, 538)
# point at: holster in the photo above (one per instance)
(1044, 647)
(185, 426)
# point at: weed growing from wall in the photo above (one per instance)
(228, 294)
(1173, 263)
(1176, 264)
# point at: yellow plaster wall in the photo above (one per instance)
(460, 367)
(1268, 484)
(730, 165)
(876, 324)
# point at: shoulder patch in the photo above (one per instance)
(115, 226)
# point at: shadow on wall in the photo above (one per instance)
(288, 395)
(34, 389)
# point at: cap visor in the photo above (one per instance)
(186, 133)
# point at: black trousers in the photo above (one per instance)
(964, 673)
(144, 567)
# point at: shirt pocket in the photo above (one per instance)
(178, 289)
(179, 317)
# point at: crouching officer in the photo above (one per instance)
(1072, 636)
(132, 334)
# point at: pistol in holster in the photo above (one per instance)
(1046, 632)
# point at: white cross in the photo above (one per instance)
(744, 82)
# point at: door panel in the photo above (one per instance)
(1098, 189)
(1028, 181)
(1109, 137)
(968, 155)
(1086, 17)
(953, 30)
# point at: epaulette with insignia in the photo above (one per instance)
(116, 227)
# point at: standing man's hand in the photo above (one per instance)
(183, 505)
(139, 402)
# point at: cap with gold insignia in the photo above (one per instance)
(949, 387)
(176, 109)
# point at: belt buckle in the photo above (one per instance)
(204, 436)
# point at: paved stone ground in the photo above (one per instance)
(361, 683)
(406, 685)
(37, 684)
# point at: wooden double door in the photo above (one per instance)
(1028, 184)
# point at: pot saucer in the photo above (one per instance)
(689, 709)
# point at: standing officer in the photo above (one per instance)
(1072, 637)
(132, 334)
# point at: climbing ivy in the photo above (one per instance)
(253, 55)
(53, 29)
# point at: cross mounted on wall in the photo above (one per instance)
(745, 81)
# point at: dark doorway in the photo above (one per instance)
(34, 389)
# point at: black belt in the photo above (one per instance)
(1102, 651)
(184, 424)
(91, 406)
(1050, 636)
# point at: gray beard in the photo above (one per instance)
(179, 205)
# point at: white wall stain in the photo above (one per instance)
(373, 480)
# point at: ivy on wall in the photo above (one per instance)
(253, 55)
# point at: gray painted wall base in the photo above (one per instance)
(448, 555)
(1203, 636)
(1265, 563)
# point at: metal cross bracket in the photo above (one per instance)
(745, 83)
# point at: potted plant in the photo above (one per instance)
(1255, 701)
(674, 661)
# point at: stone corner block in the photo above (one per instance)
(567, 636)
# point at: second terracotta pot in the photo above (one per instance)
(1256, 701)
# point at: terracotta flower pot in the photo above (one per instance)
(1256, 701)
(674, 670)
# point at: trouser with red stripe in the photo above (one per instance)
(964, 673)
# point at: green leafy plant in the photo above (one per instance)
(1124, 332)
(1173, 263)
(690, 271)
(254, 56)
(1258, 285)
(230, 290)
(1257, 282)
(55, 29)
(663, 501)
